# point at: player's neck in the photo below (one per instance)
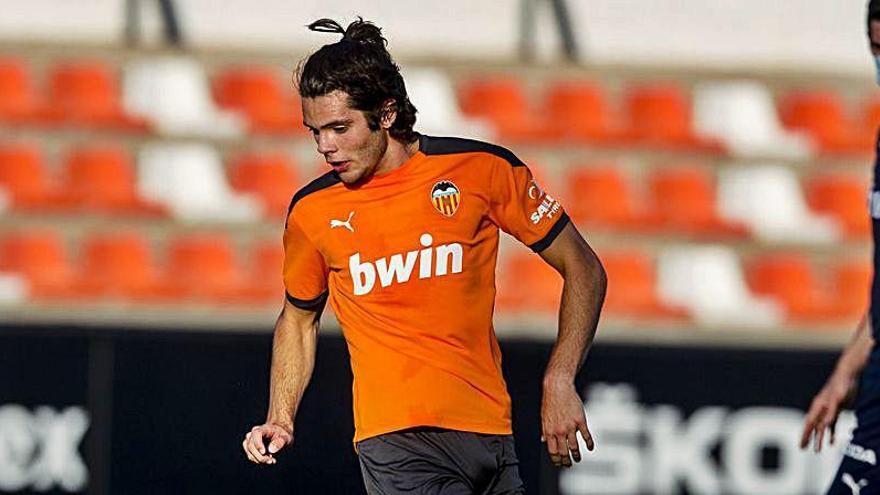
(396, 155)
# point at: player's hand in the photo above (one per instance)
(837, 393)
(562, 416)
(264, 441)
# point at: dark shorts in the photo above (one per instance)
(432, 460)
(859, 472)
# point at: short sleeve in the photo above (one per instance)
(520, 207)
(305, 272)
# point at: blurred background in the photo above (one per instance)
(717, 155)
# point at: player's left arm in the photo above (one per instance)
(562, 411)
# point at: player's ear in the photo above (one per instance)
(388, 113)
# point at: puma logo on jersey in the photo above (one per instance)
(855, 487)
(340, 223)
(432, 261)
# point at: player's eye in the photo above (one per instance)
(340, 129)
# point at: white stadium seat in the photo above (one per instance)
(173, 92)
(13, 289)
(708, 281)
(5, 200)
(438, 111)
(742, 114)
(191, 181)
(769, 199)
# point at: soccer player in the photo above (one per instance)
(401, 238)
(856, 377)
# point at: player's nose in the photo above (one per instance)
(326, 144)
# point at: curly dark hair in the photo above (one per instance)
(873, 12)
(359, 65)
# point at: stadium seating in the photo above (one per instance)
(20, 102)
(272, 177)
(580, 110)
(870, 118)
(685, 202)
(709, 282)
(174, 93)
(660, 116)
(267, 260)
(41, 257)
(256, 92)
(789, 278)
(87, 94)
(190, 180)
(599, 196)
(26, 179)
(852, 287)
(205, 268)
(823, 115)
(121, 266)
(845, 198)
(504, 103)
(528, 284)
(742, 114)
(623, 157)
(769, 200)
(438, 113)
(13, 289)
(102, 179)
(632, 288)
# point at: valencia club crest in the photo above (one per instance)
(446, 197)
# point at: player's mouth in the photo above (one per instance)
(340, 166)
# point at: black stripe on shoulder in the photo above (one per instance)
(548, 239)
(430, 145)
(322, 182)
(316, 304)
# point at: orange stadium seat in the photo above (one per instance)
(24, 175)
(257, 93)
(845, 199)
(527, 284)
(19, 100)
(101, 178)
(87, 93)
(267, 261)
(632, 288)
(660, 116)
(685, 200)
(120, 265)
(270, 176)
(789, 278)
(871, 115)
(598, 195)
(40, 256)
(852, 286)
(822, 114)
(205, 267)
(503, 102)
(579, 110)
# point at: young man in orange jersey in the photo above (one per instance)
(401, 238)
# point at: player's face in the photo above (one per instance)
(343, 136)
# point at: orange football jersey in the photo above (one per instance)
(407, 262)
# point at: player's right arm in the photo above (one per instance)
(840, 389)
(293, 359)
(296, 336)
